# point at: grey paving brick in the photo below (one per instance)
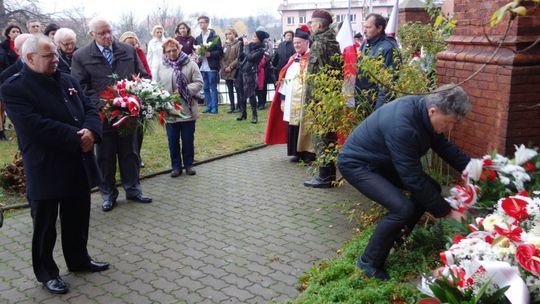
(244, 240)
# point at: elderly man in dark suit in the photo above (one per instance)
(93, 66)
(57, 127)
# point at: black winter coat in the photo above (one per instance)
(249, 66)
(11, 70)
(380, 46)
(395, 137)
(284, 51)
(47, 112)
(7, 55)
(215, 52)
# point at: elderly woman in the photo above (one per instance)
(232, 48)
(183, 35)
(132, 39)
(66, 40)
(180, 75)
(154, 52)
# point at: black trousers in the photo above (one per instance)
(384, 187)
(125, 148)
(261, 96)
(74, 220)
(230, 89)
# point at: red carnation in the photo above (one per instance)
(458, 238)
(516, 208)
(487, 162)
(528, 257)
(488, 175)
(529, 167)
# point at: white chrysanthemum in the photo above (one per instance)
(520, 178)
(499, 160)
(491, 220)
(523, 154)
(504, 180)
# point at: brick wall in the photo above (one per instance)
(505, 92)
(414, 14)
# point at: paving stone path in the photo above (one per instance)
(240, 231)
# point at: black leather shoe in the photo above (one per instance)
(316, 182)
(56, 286)
(108, 205)
(92, 266)
(372, 271)
(294, 159)
(141, 198)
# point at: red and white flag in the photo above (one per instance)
(392, 26)
(348, 49)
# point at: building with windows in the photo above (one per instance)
(293, 14)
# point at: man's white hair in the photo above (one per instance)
(92, 23)
(31, 44)
(63, 33)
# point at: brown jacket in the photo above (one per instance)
(231, 54)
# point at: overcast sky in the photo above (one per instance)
(113, 9)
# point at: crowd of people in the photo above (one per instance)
(51, 90)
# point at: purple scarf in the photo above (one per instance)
(181, 82)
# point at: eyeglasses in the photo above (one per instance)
(48, 56)
(66, 44)
(171, 51)
(35, 25)
(104, 33)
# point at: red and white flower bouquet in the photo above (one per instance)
(503, 246)
(131, 103)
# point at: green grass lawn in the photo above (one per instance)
(214, 135)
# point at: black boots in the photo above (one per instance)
(327, 175)
(242, 107)
(253, 104)
(242, 116)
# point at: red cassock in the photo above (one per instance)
(276, 129)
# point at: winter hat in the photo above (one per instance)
(127, 35)
(302, 32)
(261, 35)
(322, 14)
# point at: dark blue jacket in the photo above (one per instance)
(395, 137)
(47, 112)
(216, 52)
(380, 46)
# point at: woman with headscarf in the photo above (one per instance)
(66, 41)
(8, 56)
(183, 36)
(253, 53)
(154, 52)
(178, 74)
(232, 48)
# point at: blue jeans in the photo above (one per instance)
(185, 130)
(211, 80)
(384, 187)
